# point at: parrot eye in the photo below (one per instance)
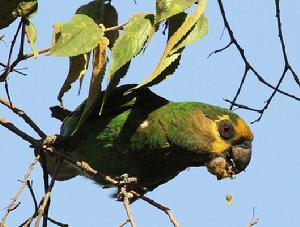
(226, 129)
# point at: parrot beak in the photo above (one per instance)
(231, 162)
(240, 156)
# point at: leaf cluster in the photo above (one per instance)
(95, 28)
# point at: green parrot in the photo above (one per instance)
(145, 136)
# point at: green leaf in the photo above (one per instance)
(102, 14)
(99, 63)
(94, 9)
(169, 63)
(11, 9)
(56, 32)
(198, 32)
(79, 36)
(170, 59)
(168, 8)
(130, 43)
(31, 34)
(77, 68)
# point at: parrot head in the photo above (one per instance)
(231, 145)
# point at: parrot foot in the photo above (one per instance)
(125, 180)
(124, 192)
(127, 185)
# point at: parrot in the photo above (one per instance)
(143, 135)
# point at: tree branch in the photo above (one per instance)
(126, 206)
(23, 185)
(254, 220)
(48, 147)
(159, 206)
(24, 116)
(286, 69)
(117, 27)
(11, 127)
(47, 195)
(282, 43)
(249, 67)
(11, 66)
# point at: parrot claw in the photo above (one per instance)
(125, 180)
(123, 192)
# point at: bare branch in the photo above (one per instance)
(125, 223)
(254, 220)
(240, 87)
(47, 195)
(23, 185)
(249, 67)
(159, 206)
(11, 127)
(29, 186)
(14, 70)
(241, 106)
(220, 50)
(118, 27)
(286, 69)
(13, 42)
(126, 205)
(11, 67)
(282, 43)
(267, 103)
(56, 222)
(24, 116)
(88, 169)
(7, 91)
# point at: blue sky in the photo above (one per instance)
(270, 183)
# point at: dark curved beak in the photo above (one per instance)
(241, 156)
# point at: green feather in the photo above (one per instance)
(144, 135)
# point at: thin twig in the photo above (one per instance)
(287, 67)
(249, 67)
(56, 222)
(127, 208)
(282, 43)
(159, 206)
(24, 116)
(14, 70)
(242, 106)
(7, 91)
(220, 50)
(117, 27)
(29, 186)
(88, 169)
(47, 195)
(267, 103)
(13, 42)
(22, 40)
(254, 220)
(240, 87)
(125, 223)
(11, 66)
(46, 184)
(23, 185)
(11, 127)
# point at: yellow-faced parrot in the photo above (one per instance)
(148, 137)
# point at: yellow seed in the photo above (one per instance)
(229, 199)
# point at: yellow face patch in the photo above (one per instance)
(242, 132)
(219, 145)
